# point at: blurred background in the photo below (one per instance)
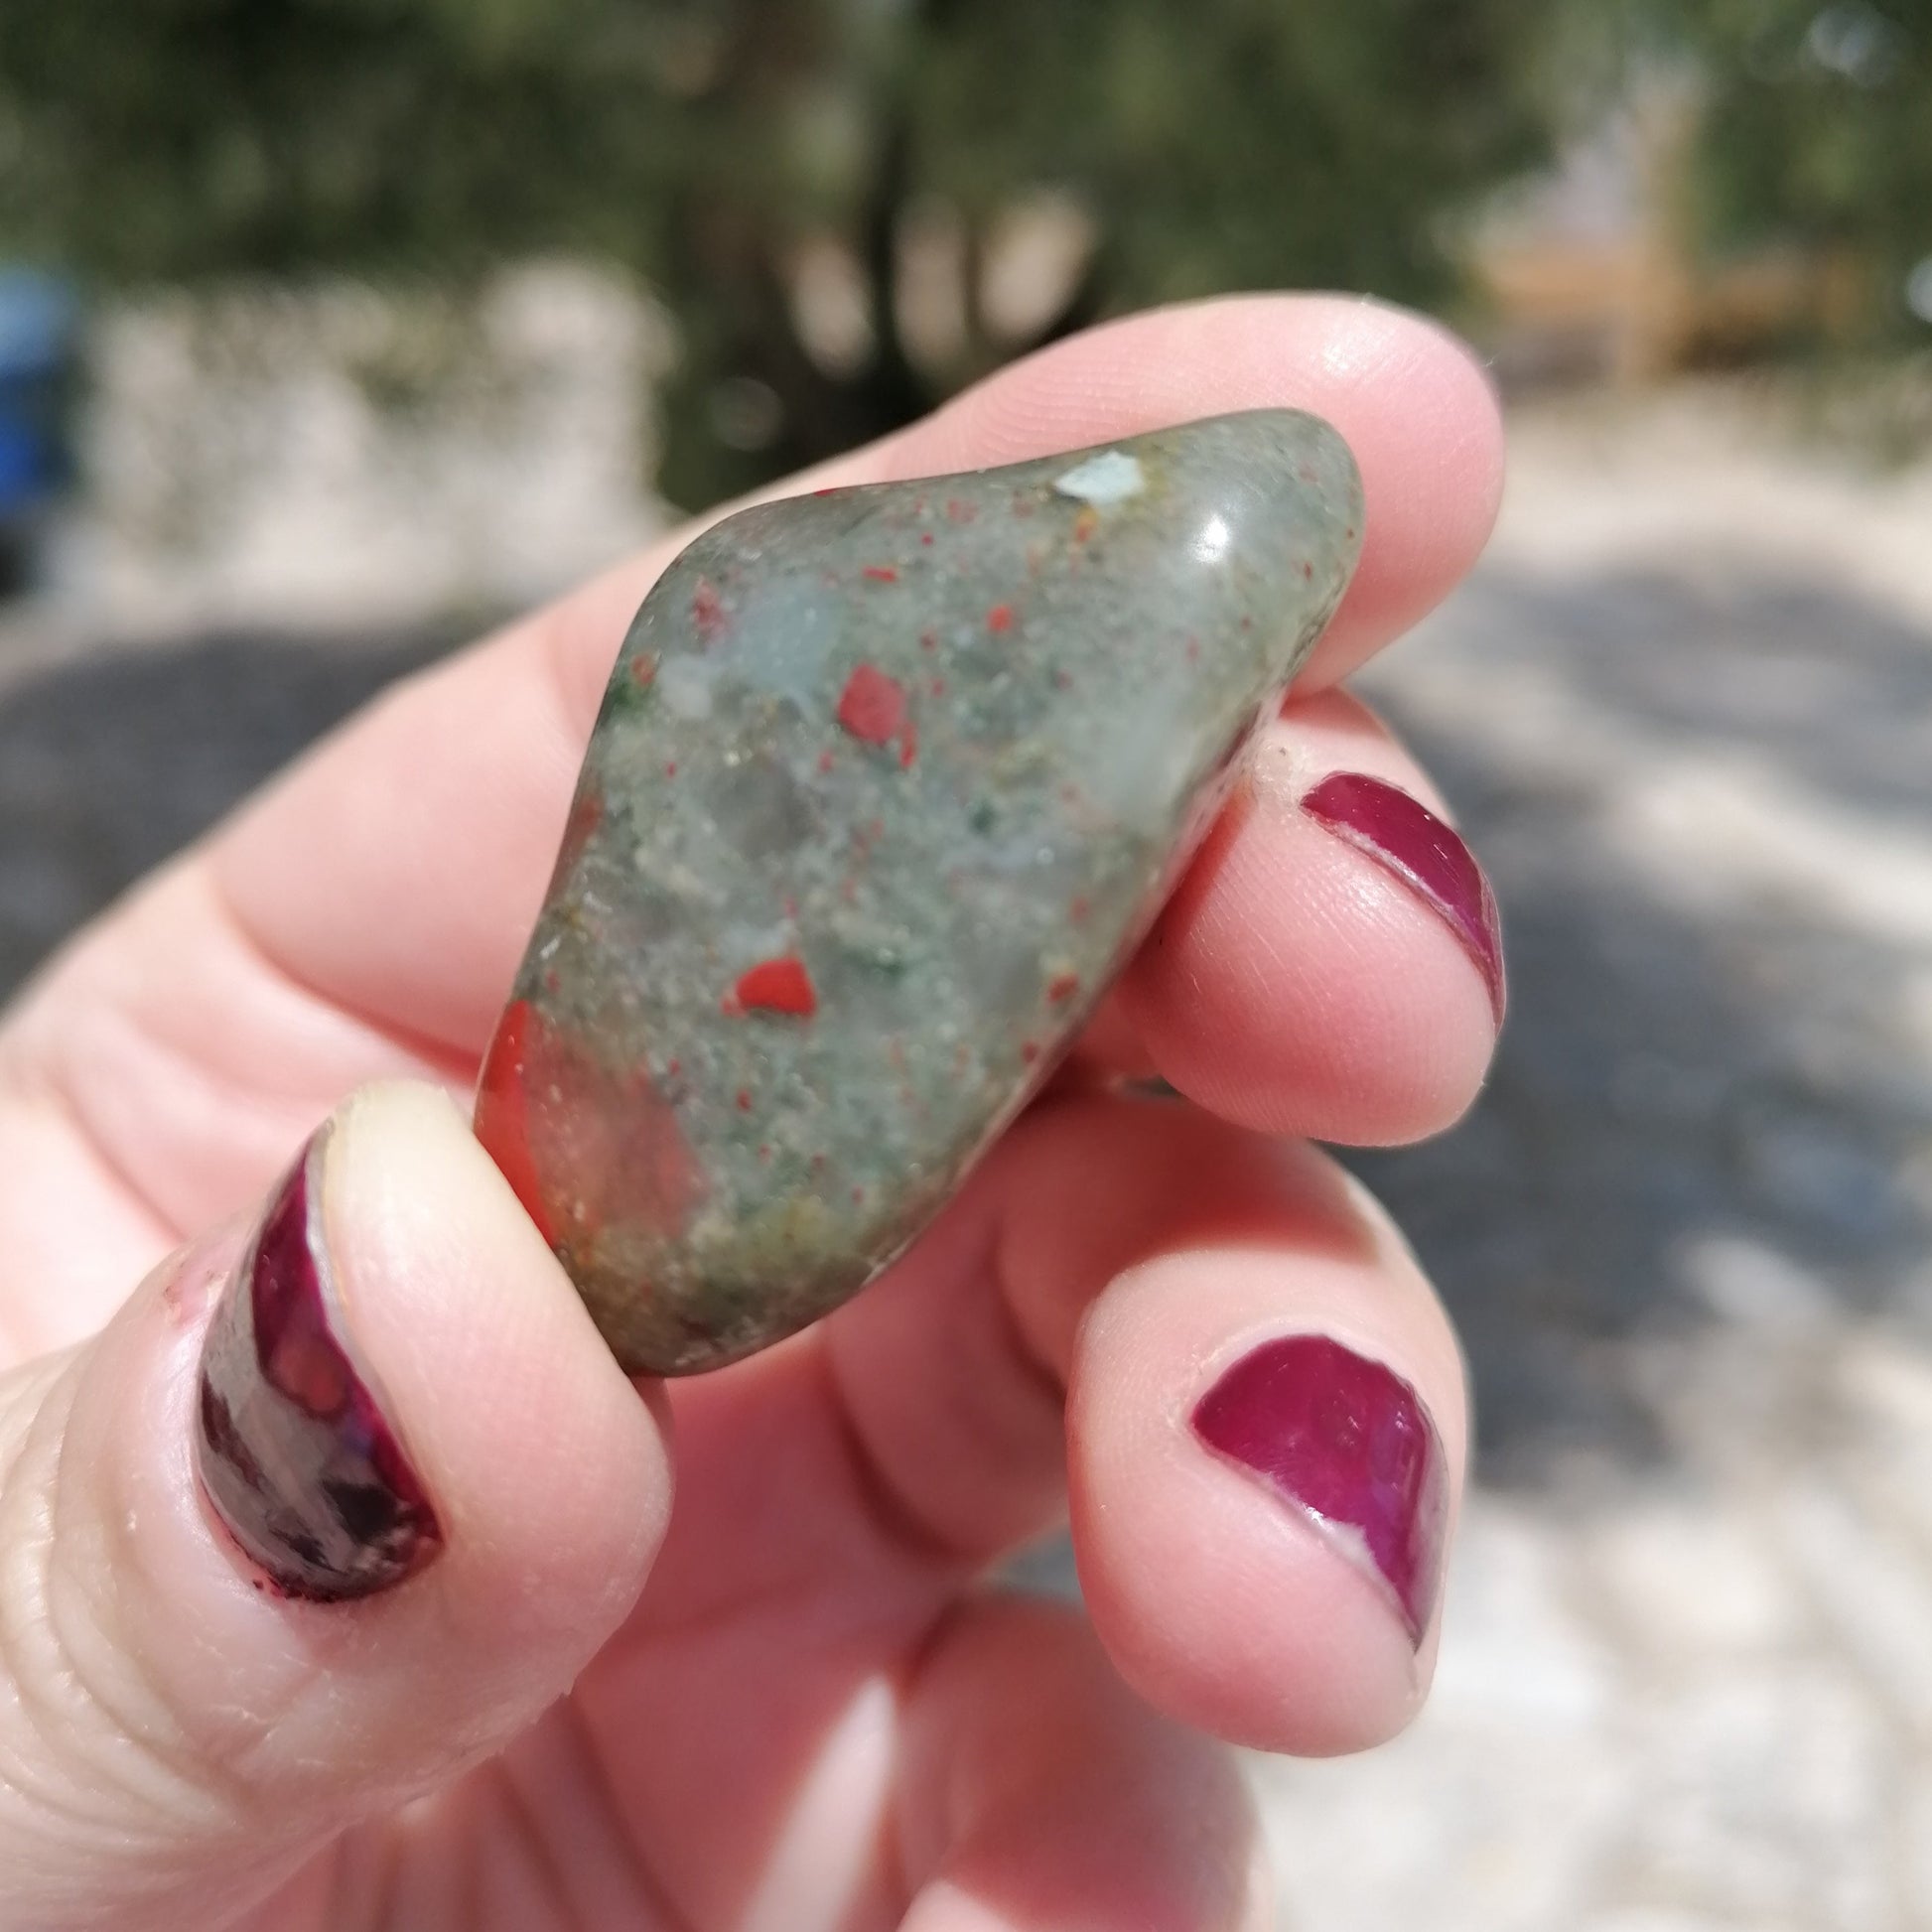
(330, 330)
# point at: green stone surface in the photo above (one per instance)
(886, 786)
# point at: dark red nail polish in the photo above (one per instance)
(1350, 1442)
(292, 1447)
(1405, 835)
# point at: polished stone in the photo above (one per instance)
(887, 783)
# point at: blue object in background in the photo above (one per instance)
(40, 352)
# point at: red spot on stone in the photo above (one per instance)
(927, 539)
(743, 1100)
(765, 1150)
(1194, 650)
(781, 985)
(958, 511)
(928, 640)
(858, 1195)
(909, 744)
(937, 687)
(552, 978)
(789, 907)
(1085, 523)
(1062, 987)
(881, 573)
(670, 769)
(583, 1144)
(674, 1069)
(643, 670)
(1030, 1051)
(1000, 618)
(707, 613)
(1307, 573)
(872, 706)
(1063, 680)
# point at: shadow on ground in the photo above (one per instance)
(1667, 1076)
(110, 765)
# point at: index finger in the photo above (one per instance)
(397, 871)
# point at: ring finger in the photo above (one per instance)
(1264, 1426)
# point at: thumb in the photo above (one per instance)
(333, 1508)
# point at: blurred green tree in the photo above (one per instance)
(1814, 127)
(830, 195)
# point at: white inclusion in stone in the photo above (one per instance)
(684, 684)
(1109, 477)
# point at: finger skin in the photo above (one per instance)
(191, 1736)
(1129, 1252)
(1037, 1794)
(1220, 1605)
(1294, 986)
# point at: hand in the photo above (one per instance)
(809, 1717)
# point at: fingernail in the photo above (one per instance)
(1347, 1442)
(1403, 835)
(292, 1446)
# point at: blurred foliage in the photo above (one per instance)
(710, 146)
(789, 175)
(1813, 129)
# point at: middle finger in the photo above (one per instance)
(1331, 964)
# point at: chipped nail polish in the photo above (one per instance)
(1404, 836)
(292, 1446)
(1347, 1440)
